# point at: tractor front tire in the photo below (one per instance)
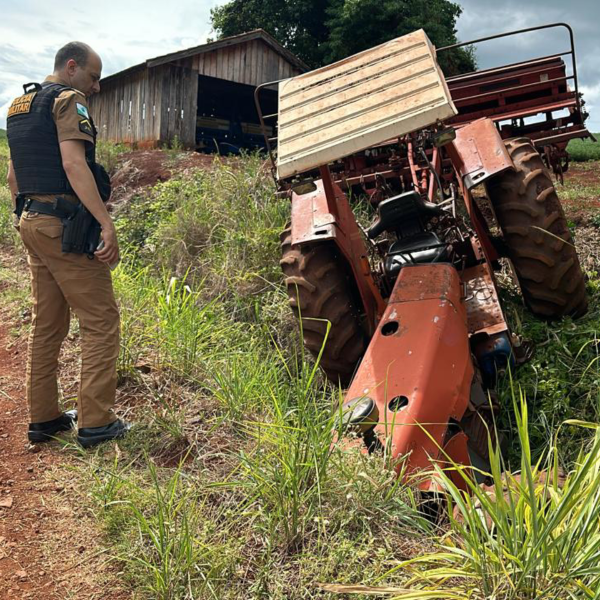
(536, 235)
(320, 291)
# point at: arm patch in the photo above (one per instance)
(86, 127)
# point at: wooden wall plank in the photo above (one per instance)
(168, 89)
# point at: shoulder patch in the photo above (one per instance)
(82, 110)
(86, 127)
(21, 105)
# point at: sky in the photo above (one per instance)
(126, 33)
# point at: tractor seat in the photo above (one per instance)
(421, 248)
(395, 211)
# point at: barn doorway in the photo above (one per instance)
(227, 121)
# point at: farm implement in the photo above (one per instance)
(404, 311)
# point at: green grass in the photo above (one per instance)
(538, 538)
(229, 487)
(108, 154)
(584, 150)
(562, 378)
(8, 234)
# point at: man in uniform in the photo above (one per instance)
(52, 139)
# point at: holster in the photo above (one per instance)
(19, 205)
(81, 231)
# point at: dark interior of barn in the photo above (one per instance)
(227, 121)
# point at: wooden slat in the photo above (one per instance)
(260, 74)
(213, 65)
(360, 118)
(392, 68)
(361, 101)
(352, 100)
(254, 69)
(237, 69)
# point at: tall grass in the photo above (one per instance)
(202, 306)
(534, 533)
(222, 224)
(231, 487)
(8, 235)
(109, 153)
(561, 378)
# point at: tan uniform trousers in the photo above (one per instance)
(61, 282)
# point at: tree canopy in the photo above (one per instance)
(320, 32)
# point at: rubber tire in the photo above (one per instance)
(525, 202)
(319, 287)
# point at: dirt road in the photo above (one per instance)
(49, 548)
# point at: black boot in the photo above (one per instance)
(91, 436)
(44, 432)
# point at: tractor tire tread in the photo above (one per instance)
(320, 295)
(537, 236)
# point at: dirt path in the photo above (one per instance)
(48, 547)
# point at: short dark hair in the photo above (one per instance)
(78, 51)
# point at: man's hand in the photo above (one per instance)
(110, 251)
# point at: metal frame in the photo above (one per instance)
(262, 118)
(516, 32)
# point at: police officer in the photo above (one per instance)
(52, 140)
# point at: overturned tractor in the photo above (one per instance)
(406, 311)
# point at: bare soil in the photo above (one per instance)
(49, 546)
(141, 169)
(584, 203)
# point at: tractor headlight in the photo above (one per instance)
(359, 415)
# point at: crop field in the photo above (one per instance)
(584, 150)
(229, 486)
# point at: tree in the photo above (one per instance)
(356, 25)
(298, 25)
(322, 31)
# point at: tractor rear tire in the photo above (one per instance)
(536, 235)
(320, 291)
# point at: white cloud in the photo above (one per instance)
(123, 33)
(127, 33)
(481, 18)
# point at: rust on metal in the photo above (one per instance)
(534, 88)
(418, 367)
(418, 283)
(319, 217)
(479, 152)
(484, 314)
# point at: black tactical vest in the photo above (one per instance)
(34, 146)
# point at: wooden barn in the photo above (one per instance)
(204, 96)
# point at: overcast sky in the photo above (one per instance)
(128, 32)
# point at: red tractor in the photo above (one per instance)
(405, 312)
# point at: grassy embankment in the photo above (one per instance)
(228, 488)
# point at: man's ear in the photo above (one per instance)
(71, 66)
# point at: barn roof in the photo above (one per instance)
(211, 47)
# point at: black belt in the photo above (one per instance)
(45, 208)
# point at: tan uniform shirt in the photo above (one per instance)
(71, 115)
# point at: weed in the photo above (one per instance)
(108, 154)
(535, 536)
(173, 150)
(561, 379)
(8, 234)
